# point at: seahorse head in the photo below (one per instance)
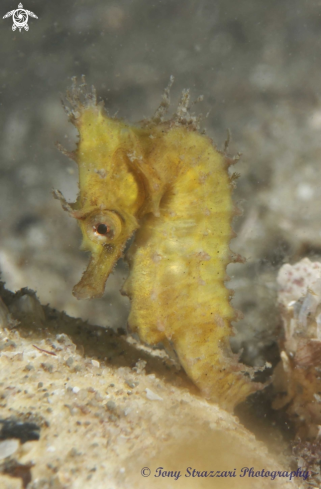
(109, 196)
(105, 232)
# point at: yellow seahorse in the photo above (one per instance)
(168, 184)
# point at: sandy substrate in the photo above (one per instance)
(86, 407)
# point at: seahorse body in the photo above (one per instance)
(167, 182)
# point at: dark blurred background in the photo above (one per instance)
(257, 63)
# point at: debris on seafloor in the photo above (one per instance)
(103, 411)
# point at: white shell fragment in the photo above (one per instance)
(8, 448)
(152, 396)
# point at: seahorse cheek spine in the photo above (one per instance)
(169, 184)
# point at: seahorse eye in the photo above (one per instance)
(104, 227)
(104, 230)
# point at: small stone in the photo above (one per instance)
(140, 366)
(74, 452)
(63, 338)
(82, 394)
(78, 368)
(48, 367)
(98, 397)
(95, 363)
(69, 361)
(111, 406)
(113, 418)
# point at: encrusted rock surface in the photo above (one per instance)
(296, 378)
